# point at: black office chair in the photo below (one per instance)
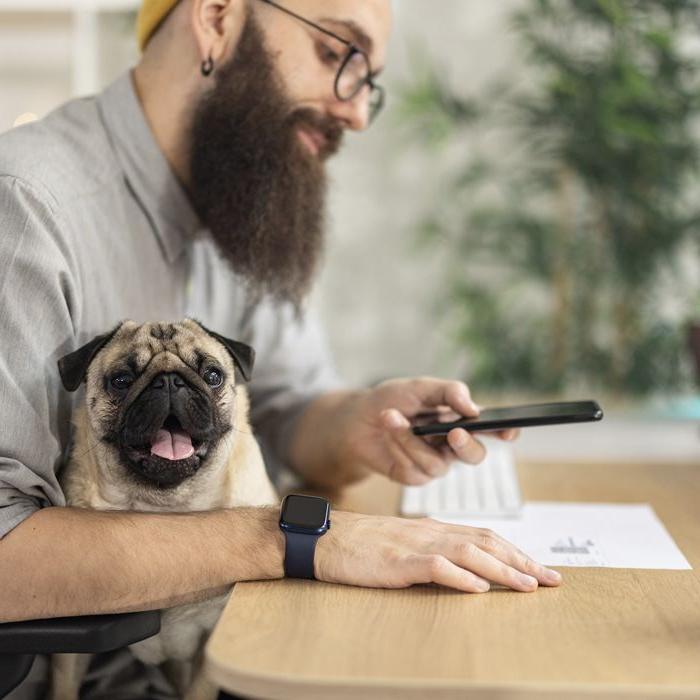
(20, 642)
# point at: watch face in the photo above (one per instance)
(305, 511)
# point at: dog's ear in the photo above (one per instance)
(73, 367)
(243, 355)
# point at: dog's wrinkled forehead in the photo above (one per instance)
(163, 347)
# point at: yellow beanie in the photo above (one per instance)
(151, 14)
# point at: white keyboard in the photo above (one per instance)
(489, 489)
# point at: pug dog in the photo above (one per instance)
(163, 428)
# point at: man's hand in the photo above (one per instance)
(383, 552)
(377, 429)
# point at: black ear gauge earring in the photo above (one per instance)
(207, 67)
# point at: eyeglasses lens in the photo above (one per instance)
(353, 76)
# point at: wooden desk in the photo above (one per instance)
(604, 632)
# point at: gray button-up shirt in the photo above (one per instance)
(95, 229)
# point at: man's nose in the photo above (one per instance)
(352, 114)
(170, 381)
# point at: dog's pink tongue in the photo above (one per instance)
(175, 445)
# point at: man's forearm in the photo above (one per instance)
(319, 449)
(70, 561)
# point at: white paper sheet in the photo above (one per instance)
(626, 536)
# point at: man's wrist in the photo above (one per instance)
(329, 551)
(321, 451)
(346, 456)
(343, 444)
(266, 541)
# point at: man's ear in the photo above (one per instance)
(73, 367)
(243, 355)
(217, 26)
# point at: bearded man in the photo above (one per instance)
(194, 186)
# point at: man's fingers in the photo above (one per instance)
(415, 450)
(469, 556)
(508, 435)
(437, 392)
(434, 461)
(435, 568)
(505, 551)
(403, 469)
(465, 446)
(492, 543)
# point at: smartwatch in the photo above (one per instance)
(303, 519)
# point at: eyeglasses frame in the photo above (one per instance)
(375, 107)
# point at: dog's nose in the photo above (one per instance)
(172, 380)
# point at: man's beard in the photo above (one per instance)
(258, 189)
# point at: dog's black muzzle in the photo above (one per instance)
(168, 403)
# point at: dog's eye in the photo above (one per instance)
(121, 381)
(213, 377)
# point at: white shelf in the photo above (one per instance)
(84, 34)
(68, 5)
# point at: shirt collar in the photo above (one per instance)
(146, 169)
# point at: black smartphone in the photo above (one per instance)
(519, 417)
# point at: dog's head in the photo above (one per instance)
(160, 397)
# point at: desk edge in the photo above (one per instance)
(284, 687)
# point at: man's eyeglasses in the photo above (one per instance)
(354, 71)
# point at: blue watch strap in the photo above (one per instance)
(299, 555)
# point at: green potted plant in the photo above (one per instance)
(565, 241)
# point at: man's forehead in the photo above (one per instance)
(366, 23)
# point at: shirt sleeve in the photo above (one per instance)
(36, 328)
(293, 366)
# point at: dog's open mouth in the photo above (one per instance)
(172, 442)
(172, 456)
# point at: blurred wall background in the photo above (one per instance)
(378, 290)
